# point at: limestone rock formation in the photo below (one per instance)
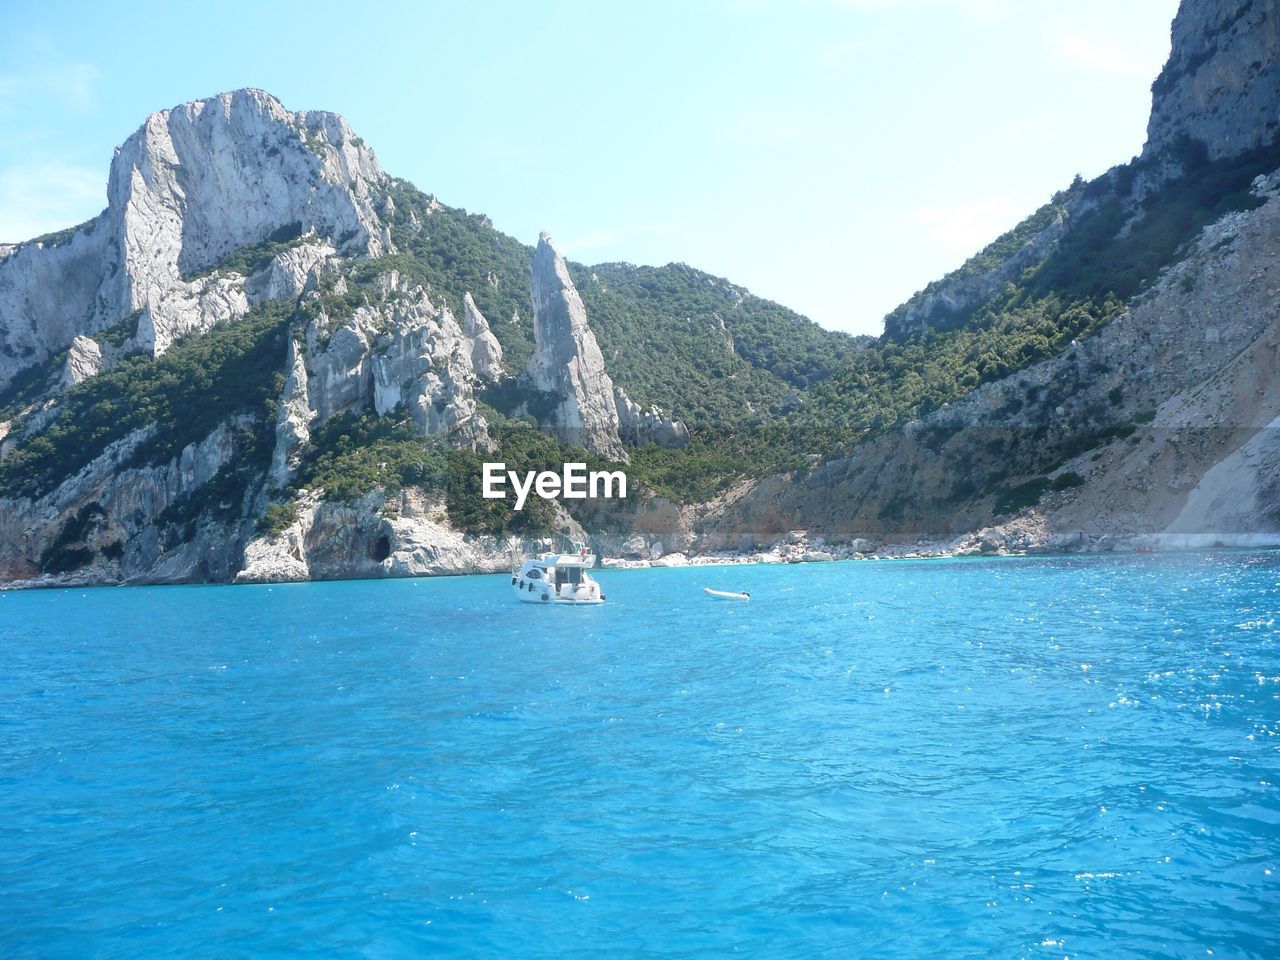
(423, 362)
(190, 186)
(293, 418)
(401, 350)
(486, 352)
(84, 360)
(406, 536)
(115, 504)
(567, 360)
(1221, 85)
(290, 272)
(638, 426)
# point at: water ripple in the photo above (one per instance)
(1025, 758)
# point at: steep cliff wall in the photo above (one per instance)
(103, 523)
(1220, 89)
(1221, 86)
(566, 362)
(190, 186)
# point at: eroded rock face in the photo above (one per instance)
(84, 360)
(486, 352)
(638, 426)
(290, 272)
(121, 504)
(1240, 494)
(1221, 85)
(567, 360)
(293, 418)
(424, 362)
(189, 187)
(399, 351)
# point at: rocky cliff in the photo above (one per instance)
(268, 360)
(588, 409)
(1159, 427)
(189, 187)
(567, 363)
(1221, 85)
(269, 234)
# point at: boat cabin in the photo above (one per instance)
(559, 577)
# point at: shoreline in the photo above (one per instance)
(1140, 545)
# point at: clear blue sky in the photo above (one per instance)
(834, 155)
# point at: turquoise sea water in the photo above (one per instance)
(1007, 758)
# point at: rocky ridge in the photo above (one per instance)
(189, 187)
(197, 186)
(1157, 429)
(1163, 423)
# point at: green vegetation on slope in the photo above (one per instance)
(1114, 250)
(353, 454)
(1120, 247)
(31, 385)
(58, 238)
(202, 380)
(664, 331)
(702, 347)
(899, 381)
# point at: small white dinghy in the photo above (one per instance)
(726, 594)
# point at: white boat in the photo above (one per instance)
(726, 594)
(557, 578)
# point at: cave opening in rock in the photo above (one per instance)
(381, 549)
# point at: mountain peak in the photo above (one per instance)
(191, 185)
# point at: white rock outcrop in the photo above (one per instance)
(424, 362)
(486, 352)
(398, 351)
(408, 537)
(638, 426)
(290, 272)
(193, 184)
(567, 361)
(293, 418)
(84, 360)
